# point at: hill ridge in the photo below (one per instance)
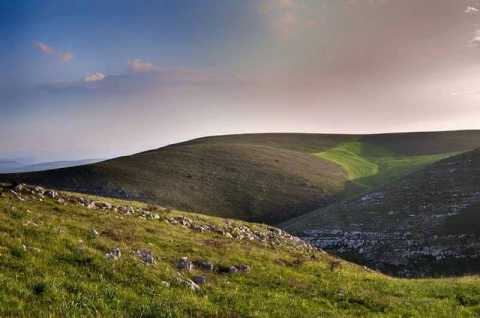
(257, 177)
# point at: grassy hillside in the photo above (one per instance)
(424, 223)
(55, 262)
(370, 166)
(259, 177)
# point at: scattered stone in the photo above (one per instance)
(188, 283)
(146, 257)
(51, 194)
(233, 269)
(92, 206)
(244, 268)
(94, 232)
(200, 280)
(185, 264)
(230, 229)
(114, 254)
(204, 265)
(102, 205)
(165, 284)
(227, 269)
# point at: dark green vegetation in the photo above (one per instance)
(261, 177)
(51, 265)
(426, 223)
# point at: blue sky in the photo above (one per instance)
(104, 78)
(103, 35)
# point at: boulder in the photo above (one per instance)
(185, 264)
(188, 283)
(204, 265)
(146, 257)
(200, 280)
(114, 254)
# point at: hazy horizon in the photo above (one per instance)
(97, 80)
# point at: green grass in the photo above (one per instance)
(349, 157)
(370, 166)
(51, 266)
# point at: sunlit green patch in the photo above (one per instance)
(370, 166)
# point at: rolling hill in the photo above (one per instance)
(70, 255)
(423, 224)
(259, 177)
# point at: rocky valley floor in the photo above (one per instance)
(70, 255)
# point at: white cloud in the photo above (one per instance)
(66, 56)
(94, 77)
(44, 48)
(140, 66)
(471, 10)
(476, 39)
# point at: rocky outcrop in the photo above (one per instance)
(234, 230)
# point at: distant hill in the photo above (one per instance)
(10, 166)
(259, 177)
(427, 223)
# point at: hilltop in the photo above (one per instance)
(423, 224)
(70, 255)
(259, 177)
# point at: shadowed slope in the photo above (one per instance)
(244, 181)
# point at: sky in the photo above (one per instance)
(98, 79)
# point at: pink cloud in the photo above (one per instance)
(44, 48)
(140, 66)
(66, 56)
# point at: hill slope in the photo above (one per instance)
(424, 224)
(121, 259)
(261, 177)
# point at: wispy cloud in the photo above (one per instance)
(471, 10)
(475, 42)
(141, 66)
(44, 48)
(286, 17)
(47, 49)
(66, 56)
(95, 77)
